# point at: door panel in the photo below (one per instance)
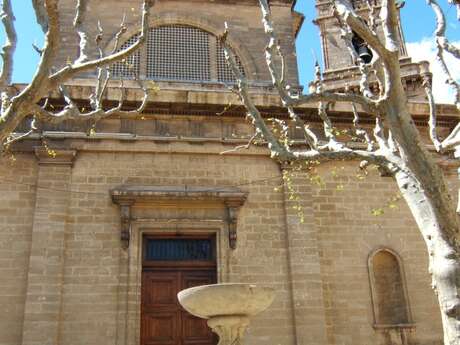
(159, 289)
(160, 328)
(163, 320)
(195, 331)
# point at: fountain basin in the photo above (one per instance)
(209, 301)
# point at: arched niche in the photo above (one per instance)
(388, 289)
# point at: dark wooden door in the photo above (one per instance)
(163, 320)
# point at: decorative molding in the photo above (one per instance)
(125, 220)
(55, 156)
(233, 206)
(128, 196)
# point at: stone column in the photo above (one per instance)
(46, 265)
(304, 263)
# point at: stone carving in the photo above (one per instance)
(228, 307)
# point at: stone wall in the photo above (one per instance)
(83, 288)
(17, 194)
(349, 233)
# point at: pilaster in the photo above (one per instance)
(304, 261)
(45, 276)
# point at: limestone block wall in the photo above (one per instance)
(79, 286)
(17, 195)
(94, 259)
(348, 234)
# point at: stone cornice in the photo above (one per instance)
(128, 196)
(158, 194)
(174, 100)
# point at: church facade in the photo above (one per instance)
(103, 223)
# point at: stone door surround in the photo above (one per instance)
(128, 196)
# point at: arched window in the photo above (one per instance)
(389, 295)
(129, 67)
(177, 53)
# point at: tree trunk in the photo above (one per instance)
(423, 186)
(444, 263)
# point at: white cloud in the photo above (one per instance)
(426, 50)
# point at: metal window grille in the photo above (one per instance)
(224, 73)
(128, 68)
(179, 249)
(178, 53)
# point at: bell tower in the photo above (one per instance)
(339, 68)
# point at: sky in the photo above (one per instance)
(417, 19)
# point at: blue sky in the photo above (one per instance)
(417, 19)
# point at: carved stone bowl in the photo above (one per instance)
(208, 301)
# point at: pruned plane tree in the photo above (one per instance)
(394, 145)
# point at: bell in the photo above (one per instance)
(364, 53)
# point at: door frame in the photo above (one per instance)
(129, 290)
(179, 268)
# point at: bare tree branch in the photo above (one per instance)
(9, 47)
(389, 19)
(72, 111)
(444, 45)
(361, 132)
(245, 146)
(80, 12)
(279, 78)
(432, 119)
(440, 31)
(15, 109)
(118, 35)
(40, 14)
(453, 139)
(14, 138)
(276, 148)
(382, 160)
(346, 13)
(76, 68)
(456, 3)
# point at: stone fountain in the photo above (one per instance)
(228, 307)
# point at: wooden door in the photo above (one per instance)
(163, 320)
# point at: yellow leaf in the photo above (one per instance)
(377, 212)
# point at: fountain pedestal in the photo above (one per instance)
(230, 329)
(228, 307)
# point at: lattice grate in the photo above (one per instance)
(224, 73)
(129, 67)
(178, 53)
(179, 250)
